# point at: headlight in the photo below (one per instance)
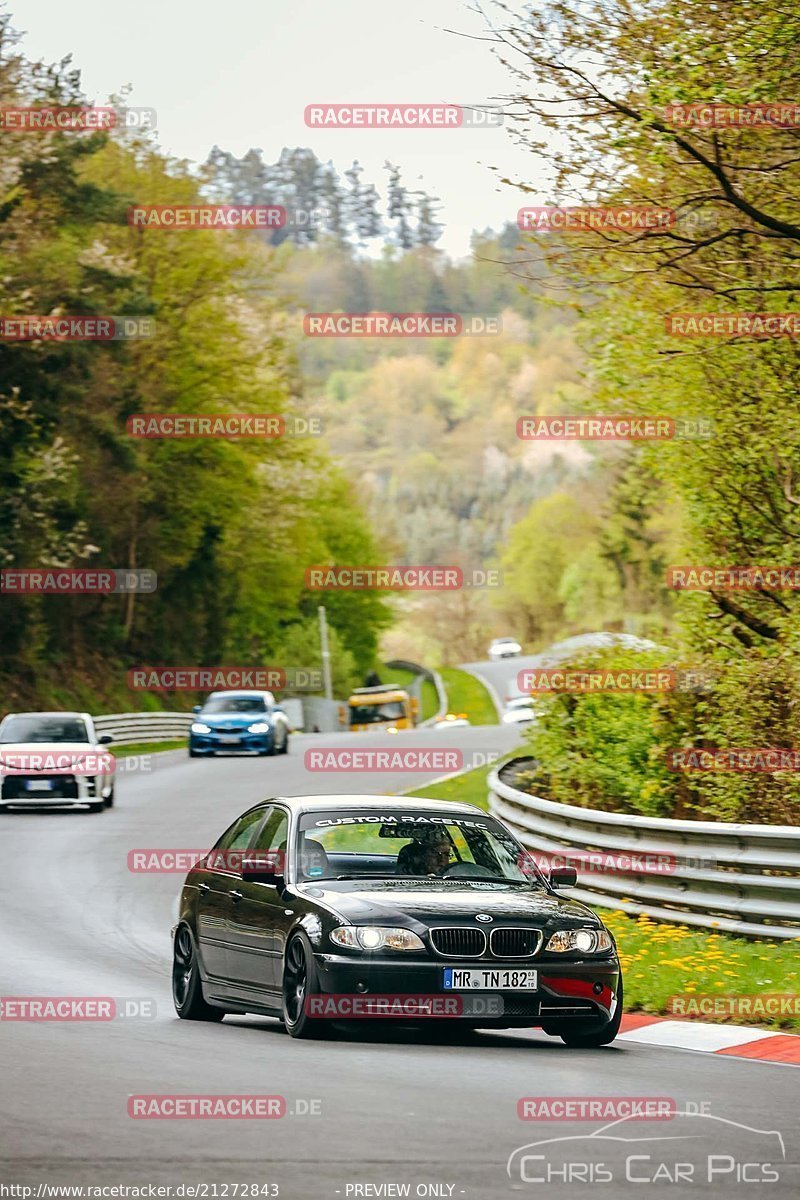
(259, 727)
(580, 941)
(199, 727)
(374, 937)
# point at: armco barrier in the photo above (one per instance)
(129, 728)
(402, 664)
(742, 879)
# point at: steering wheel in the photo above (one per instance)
(466, 870)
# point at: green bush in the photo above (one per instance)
(610, 750)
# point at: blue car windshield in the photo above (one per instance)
(235, 704)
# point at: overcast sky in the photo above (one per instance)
(241, 75)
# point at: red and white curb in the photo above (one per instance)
(739, 1041)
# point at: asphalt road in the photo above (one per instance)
(393, 1108)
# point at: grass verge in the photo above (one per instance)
(470, 787)
(662, 961)
(147, 748)
(466, 694)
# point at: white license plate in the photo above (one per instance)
(229, 739)
(486, 979)
(39, 785)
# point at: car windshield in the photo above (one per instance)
(234, 704)
(397, 844)
(369, 714)
(44, 729)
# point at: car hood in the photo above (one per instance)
(232, 720)
(431, 904)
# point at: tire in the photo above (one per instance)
(285, 747)
(97, 806)
(109, 800)
(187, 990)
(300, 983)
(586, 1037)
(193, 753)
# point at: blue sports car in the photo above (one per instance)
(239, 722)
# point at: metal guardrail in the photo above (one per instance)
(736, 878)
(129, 728)
(425, 673)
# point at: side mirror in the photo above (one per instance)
(266, 866)
(105, 739)
(196, 708)
(563, 877)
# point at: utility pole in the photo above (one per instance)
(326, 655)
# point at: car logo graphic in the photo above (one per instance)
(483, 917)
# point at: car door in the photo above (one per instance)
(256, 948)
(215, 883)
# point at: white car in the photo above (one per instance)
(504, 647)
(519, 711)
(54, 760)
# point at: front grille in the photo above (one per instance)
(515, 943)
(459, 942)
(65, 787)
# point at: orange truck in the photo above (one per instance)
(381, 708)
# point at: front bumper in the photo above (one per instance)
(246, 743)
(62, 791)
(567, 990)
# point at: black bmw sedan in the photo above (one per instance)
(322, 909)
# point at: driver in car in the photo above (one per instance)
(427, 854)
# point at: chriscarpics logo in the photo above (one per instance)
(698, 1150)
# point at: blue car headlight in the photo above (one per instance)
(199, 727)
(259, 727)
